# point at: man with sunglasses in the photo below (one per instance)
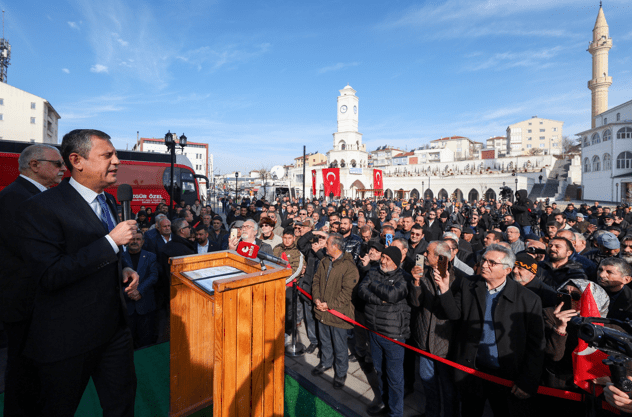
(486, 306)
(40, 167)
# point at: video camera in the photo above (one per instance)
(506, 193)
(613, 342)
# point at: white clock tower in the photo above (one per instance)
(348, 151)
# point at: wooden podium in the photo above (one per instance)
(227, 347)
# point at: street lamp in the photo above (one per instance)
(516, 184)
(170, 142)
(236, 176)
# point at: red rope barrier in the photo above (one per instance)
(553, 392)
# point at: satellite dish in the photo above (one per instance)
(278, 172)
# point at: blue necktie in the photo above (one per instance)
(106, 219)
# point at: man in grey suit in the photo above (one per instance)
(40, 167)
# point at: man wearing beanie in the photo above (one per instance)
(384, 290)
(524, 272)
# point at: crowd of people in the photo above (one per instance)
(479, 284)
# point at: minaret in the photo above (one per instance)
(600, 82)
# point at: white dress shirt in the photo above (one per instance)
(35, 183)
(91, 198)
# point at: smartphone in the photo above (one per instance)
(389, 239)
(442, 265)
(419, 261)
(327, 224)
(564, 298)
(233, 233)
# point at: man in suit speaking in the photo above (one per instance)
(72, 243)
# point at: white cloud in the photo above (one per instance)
(99, 68)
(338, 66)
(223, 55)
(507, 60)
(66, 70)
(73, 25)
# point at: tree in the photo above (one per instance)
(568, 144)
(264, 174)
(535, 151)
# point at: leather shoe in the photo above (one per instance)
(339, 382)
(319, 370)
(378, 409)
(311, 348)
(353, 358)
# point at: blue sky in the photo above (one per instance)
(258, 80)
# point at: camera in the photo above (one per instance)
(506, 193)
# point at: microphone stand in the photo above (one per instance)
(295, 348)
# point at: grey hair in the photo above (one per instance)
(450, 235)
(255, 226)
(159, 218)
(509, 259)
(79, 141)
(337, 240)
(621, 264)
(442, 248)
(513, 227)
(581, 238)
(177, 225)
(31, 153)
(403, 242)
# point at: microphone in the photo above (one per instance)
(124, 194)
(251, 251)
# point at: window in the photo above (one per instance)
(624, 133)
(586, 165)
(1, 102)
(541, 137)
(529, 146)
(624, 160)
(605, 120)
(607, 135)
(553, 137)
(595, 139)
(529, 131)
(529, 138)
(554, 145)
(529, 123)
(542, 145)
(618, 116)
(32, 106)
(542, 130)
(586, 142)
(596, 163)
(541, 123)
(1, 116)
(32, 120)
(555, 129)
(607, 162)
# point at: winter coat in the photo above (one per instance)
(294, 256)
(335, 287)
(386, 309)
(556, 277)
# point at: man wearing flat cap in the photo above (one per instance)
(385, 290)
(608, 247)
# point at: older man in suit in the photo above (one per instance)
(72, 244)
(40, 167)
(141, 303)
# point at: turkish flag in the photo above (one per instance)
(331, 178)
(377, 181)
(587, 361)
(313, 182)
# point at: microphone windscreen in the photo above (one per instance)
(124, 193)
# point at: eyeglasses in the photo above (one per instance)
(58, 164)
(490, 262)
(247, 226)
(416, 234)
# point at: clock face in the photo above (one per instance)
(343, 109)
(355, 109)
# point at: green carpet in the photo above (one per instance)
(152, 393)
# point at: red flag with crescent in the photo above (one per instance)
(313, 182)
(587, 361)
(378, 184)
(331, 180)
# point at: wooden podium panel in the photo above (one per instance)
(227, 348)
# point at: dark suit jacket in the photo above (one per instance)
(154, 243)
(433, 232)
(148, 277)
(17, 289)
(518, 325)
(79, 298)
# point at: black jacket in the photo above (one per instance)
(556, 277)
(621, 308)
(547, 294)
(352, 246)
(517, 322)
(522, 209)
(386, 309)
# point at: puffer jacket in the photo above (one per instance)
(556, 277)
(386, 309)
(335, 287)
(294, 256)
